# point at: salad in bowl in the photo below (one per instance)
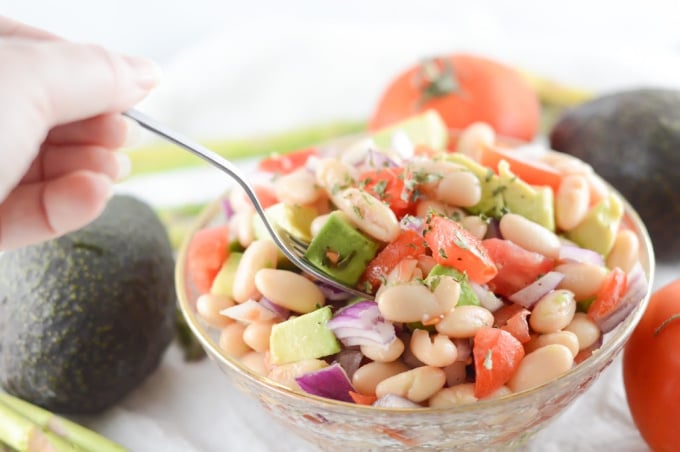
(500, 280)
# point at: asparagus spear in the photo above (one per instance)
(164, 156)
(22, 423)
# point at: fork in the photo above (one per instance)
(293, 248)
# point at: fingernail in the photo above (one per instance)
(124, 165)
(133, 134)
(147, 72)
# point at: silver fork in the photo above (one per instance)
(292, 248)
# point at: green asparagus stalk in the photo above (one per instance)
(22, 422)
(21, 434)
(164, 156)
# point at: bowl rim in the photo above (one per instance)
(607, 352)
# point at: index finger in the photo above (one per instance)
(10, 28)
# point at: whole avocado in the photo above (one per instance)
(632, 139)
(84, 318)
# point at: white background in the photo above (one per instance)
(235, 69)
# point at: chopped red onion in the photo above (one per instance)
(376, 159)
(227, 208)
(362, 324)
(488, 299)
(331, 382)
(312, 163)
(529, 295)
(350, 360)
(412, 223)
(275, 308)
(571, 253)
(464, 349)
(636, 289)
(249, 311)
(493, 229)
(331, 292)
(395, 401)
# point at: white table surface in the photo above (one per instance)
(235, 70)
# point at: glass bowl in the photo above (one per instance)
(495, 424)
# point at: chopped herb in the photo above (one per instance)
(335, 189)
(357, 211)
(380, 187)
(442, 253)
(489, 175)
(365, 182)
(498, 190)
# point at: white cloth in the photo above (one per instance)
(300, 63)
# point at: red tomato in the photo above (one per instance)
(387, 184)
(463, 89)
(286, 163)
(651, 367)
(454, 246)
(518, 326)
(531, 172)
(265, 194)
(207, 251)
(517, 267)
(609, 296)
(407, 244)
(497, 355)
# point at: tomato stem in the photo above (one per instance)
(437, 78)
(666, 322)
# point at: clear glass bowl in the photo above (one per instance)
(498, 424)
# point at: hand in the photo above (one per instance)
(59, 128)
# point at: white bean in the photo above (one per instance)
(624, 253)
(475, 225)
(583, 279)
(334, 175)
(438, 351)
(553, 312)
(255, 362)
(289, 289)
(286, 374)
(385, 354)
(231, 340)
(260, 254)
(474, 138)
(368, 213)
(243, 224)
(529, 235)
(459, 188)
(428, 207)
(566, 338)
(208, 308)
(256, 335)
(297, 188)
(585, 329)
(571, 201)
(367, 377)
(464, 321)
(411, 302)
(417, 384)
(541, 366)
(454, 395)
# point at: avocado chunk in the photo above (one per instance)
(532, 202)
(303, 337)
(223, 284)
(632, 139)
(467, 295)
(492, 203)
(296, 220)
(340, 250)
(598, 229)
(85, 318)
(427, 128)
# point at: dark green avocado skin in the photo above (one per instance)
(632, 139)
(86, 317)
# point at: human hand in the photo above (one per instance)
(59, 128)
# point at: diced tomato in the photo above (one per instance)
(497, 355)
(388, 185)
(362, 399)
(531, 172)
(265, 194)
(609, 296)
(424, 151)
(454, 246)
(408, 244)
(517, 267)
(286, 163)
(518, 326)
(207, 252)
